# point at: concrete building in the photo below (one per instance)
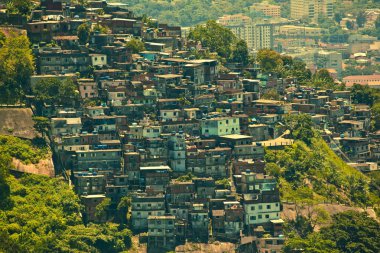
(300, 31)
(199, 221)
(329, 60)
(256, 35)
(89, 183)
(161, 232)
(311, 9)
(177, 152)
(144, 206)
(268, 9)
(220, 126)
(261, 208)
(372, 81)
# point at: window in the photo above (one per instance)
(252, 218)
(268, 206)
(260, 207)
(260, 216)
(252, 208)
(267, 216)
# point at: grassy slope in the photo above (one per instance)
(23, 150)
(321, 175)
(43, 216)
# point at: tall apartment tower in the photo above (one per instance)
(257, 35)
(177, 152)
(312, 9)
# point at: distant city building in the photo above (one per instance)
(329, 60)
(257, 35)
(268, 9)
(311, 9)
(371, 80)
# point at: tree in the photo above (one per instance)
(5, 163)
(361, 19)
(80, 2)
(269, 60)
(135, 46)
(41, 125)
(300, 126)
(349, 25)
(44, 217)
(83, 33)
(215, 37)
(363, 94)
(100, 28)
(223, 183)
(313, 243)
(349, 231)
(323, 79)
(338, 17)
(56, 92)
(102, 209)
(186, 178)
(123, 208)
(353, 232)
(22, 7)
(240, 53)
(16, 67)
(273, 169)
(2, 38)
(271, 94)
(376, 116)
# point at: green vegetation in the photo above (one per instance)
(322, 79)
(300, 127)
(22, 7)
(16, 67)
(355, 69)
(375, 31)
(186, 178)
(135, 46)
(223, 183)
(309, 170)
(56, 92)
(43, 216)
(5, 163)
(24, 150)
(240, 53)
(83, 33)
(271, 94)
(269, 60)
(188, 12)
(349, 232)
(363, 94)
(285, 66)
(41, 124)
(220, 40)
(100, 28)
